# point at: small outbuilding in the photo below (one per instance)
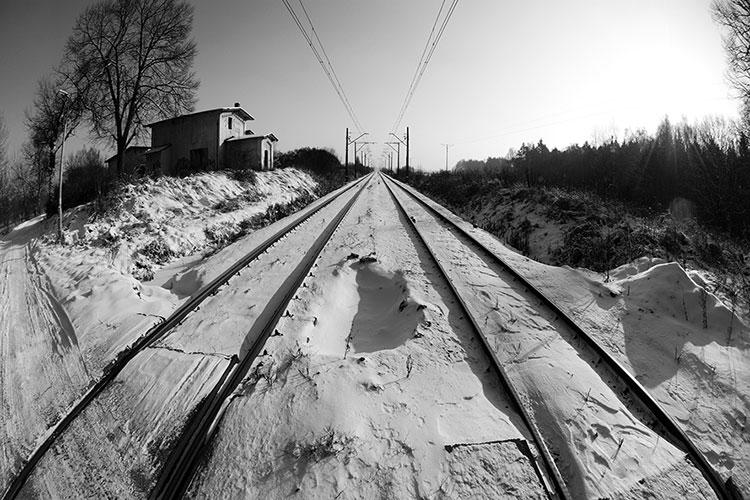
(133, 160)
(250, 151)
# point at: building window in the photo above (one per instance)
(229, 123)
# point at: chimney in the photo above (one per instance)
(236, 105)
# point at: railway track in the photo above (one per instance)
(181, 464)
(159, 331)
(185, 455)
(559, 489)
(677, 435)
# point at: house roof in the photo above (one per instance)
(255, 136)
(129, 148)
(157, 149)
(239, 111)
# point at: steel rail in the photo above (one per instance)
(722, 490)
(154, 334)
(561, 490)
(179, 469)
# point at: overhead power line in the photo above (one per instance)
(333, 71)
(324, 60)
(424, 60)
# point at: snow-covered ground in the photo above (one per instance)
(157, 222)
(375, 383)
(604, 443)
(66, 312)
(374, 387)
(134, 424)
(650, 317)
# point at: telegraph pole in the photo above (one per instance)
(364, 143)
(446, 155)
(398, 151)
(407, 151)
(355, 150)
(346, 154)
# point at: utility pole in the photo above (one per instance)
(355, 150)
(446, 155)
(407, 151)
(346, 155)
(364, 143)
(398, 151)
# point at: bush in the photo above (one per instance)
(86, 179)
(158, 251)
(244, 175)
(320, 161)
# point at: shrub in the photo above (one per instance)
(244, 175)
(86, 179)
(158, 251)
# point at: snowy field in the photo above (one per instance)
(376, 382)
(650, 316)
(66, 312)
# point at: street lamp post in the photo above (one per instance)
(446, 155)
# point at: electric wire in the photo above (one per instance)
(330, 65)
(421, 60)
(328, 70)
(424, 61)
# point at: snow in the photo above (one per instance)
(374, 421)
(160, 220)
(604, 442)
(114, 448)
(189, 280)
(66, 312)
(142, 413)
(375, 383)
(707, 389)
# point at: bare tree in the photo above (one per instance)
(131, 61)
(734, 16)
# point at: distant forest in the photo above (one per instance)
(708, 165)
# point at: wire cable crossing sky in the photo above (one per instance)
(327, 65)
(579, 70)
(424, 61)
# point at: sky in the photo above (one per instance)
(505, 71)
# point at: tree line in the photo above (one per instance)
(702, 171)
(705, 169)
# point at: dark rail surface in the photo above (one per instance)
(722, 490)
(154, 334)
